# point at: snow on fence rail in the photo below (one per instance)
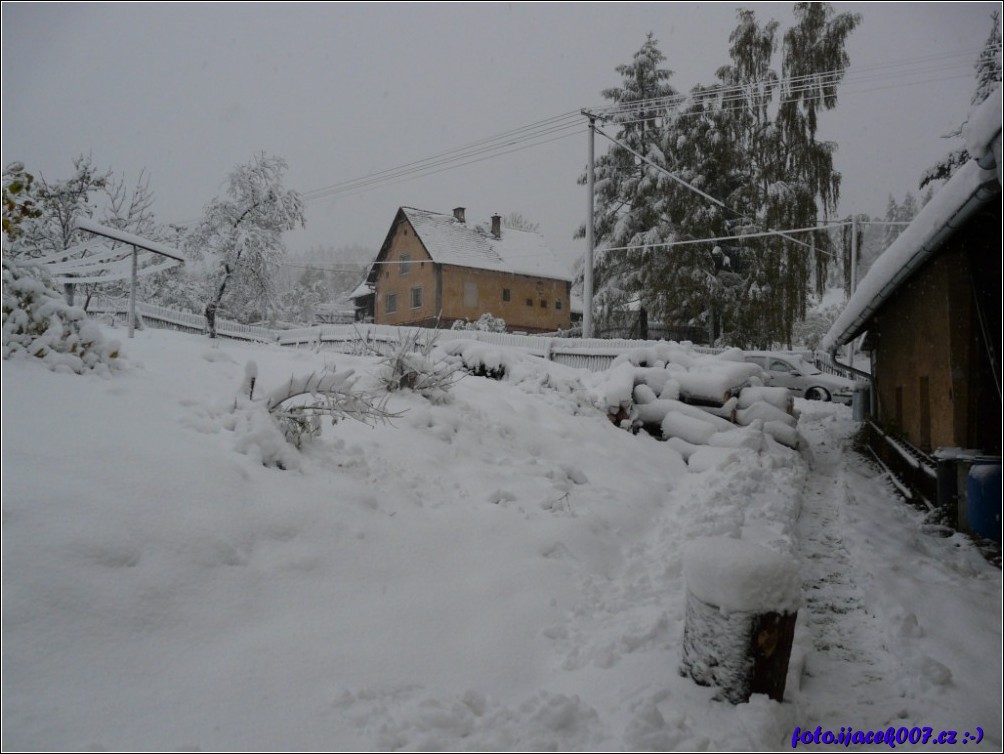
(161, 316)
(594, 354)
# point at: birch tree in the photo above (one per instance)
(242, 234)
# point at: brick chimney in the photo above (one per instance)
(497, 226)
(458, 214)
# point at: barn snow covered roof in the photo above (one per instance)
(974, 184)
(450, 241)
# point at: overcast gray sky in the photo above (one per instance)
(341, 91)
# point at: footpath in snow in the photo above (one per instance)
(499, 569)
(902, 624)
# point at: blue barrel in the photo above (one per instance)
(983, 488)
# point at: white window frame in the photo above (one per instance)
(390, 303)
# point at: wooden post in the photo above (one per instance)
(741, 611)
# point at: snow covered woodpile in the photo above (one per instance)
(742, 603)
(38, 322)
(692, 399)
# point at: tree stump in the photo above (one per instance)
(742, 604)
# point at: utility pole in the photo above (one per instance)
(587, 282)
(132, 291)
(854, 254)
(854, 273)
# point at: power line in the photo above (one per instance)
(847, 76)
(537, 130)
(691, 241)
(567, 124)
(696, 190)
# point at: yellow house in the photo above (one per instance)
(434, 269)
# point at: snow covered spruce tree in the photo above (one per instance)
(242, 233)
(988, 78)
(628, 207)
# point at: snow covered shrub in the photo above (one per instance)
(38, 322)
(482, 360)
(299, 405)
(293, 413)
(485, 323)
(413, 366)
(260, 436)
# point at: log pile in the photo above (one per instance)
(691, 400)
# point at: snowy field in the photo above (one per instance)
(499, 572)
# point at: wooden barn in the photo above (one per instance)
(930, 311)
(434, 269)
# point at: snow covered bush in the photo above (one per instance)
(483, 360)
(413, 366)
(38, 322)
(485, 323)
(293, 413)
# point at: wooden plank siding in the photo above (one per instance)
(933, 378)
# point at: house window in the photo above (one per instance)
(557, 304)
(391, 305)
(416, 297)
(506, 294)
(470, 295)
(543, 304)
(529, 302)
(405, 264)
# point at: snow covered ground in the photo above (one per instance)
(502, 571)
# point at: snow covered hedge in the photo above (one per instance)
(38, 322)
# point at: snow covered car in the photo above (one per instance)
(801, 377)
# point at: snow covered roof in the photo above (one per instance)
(450, 241)
(975, 184)
(365, 288)
(983, 130)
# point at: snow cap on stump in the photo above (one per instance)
(739, 576)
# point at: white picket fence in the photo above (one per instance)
(594, 354)
(173, 319)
